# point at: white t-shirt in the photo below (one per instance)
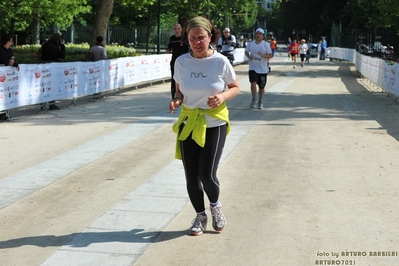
(199, 78)
(303, 48)
(258, 64)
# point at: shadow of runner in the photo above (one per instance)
(85, 239)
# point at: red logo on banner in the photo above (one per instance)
(37, 74)
(2, 78)
(66, 72)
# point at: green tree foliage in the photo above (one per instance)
(237, 14)
(314, 18)
(306, 17)
(377, 13)
(18, 15)
(243, 16)
(132, 14)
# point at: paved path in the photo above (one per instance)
(309, 180)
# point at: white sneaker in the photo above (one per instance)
(218, 219)
(253, 103)
(260, 105)
(199, 225)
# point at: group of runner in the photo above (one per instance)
(294, 49)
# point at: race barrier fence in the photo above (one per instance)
(384, 74)
(41, 83)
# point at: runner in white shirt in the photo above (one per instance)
(205, 80)
(258, 53)
(303, 48)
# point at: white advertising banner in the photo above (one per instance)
(375, 69)
(39, 83)
(92, 78)
(66, 81)
(9, 87)
(113, 74)
(239, 56)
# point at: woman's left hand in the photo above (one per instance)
(215, 100)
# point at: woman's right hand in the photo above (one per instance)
(174, 104)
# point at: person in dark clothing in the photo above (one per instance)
(52, 51)
(177, 47)
(6, 56)
(97, 52)
(7, 59)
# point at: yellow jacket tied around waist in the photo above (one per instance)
(196, 123)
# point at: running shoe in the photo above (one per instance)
(199, 225)
(253, 103)
(218, 219)
(260, 105)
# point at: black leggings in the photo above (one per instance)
(201, 164)
(172, 81)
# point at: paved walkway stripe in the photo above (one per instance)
(110, 240)
(27, 181)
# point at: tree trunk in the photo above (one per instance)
(36, 29)
(148, 31)
(12, 28)
(100, 26)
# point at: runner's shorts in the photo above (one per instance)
(260, 79)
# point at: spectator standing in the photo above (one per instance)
(323, 49)
(177, 47)
(273, 45)
(7, 59)
(98, 52)
(294, 51)
(52, 51)
(245, 42)
(310, 45)
(205, 80)
(226, 44)
(319, 50)
(258, 52)
(6, 55)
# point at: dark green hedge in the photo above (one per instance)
(27, 54)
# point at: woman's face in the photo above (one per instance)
(199, 40)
